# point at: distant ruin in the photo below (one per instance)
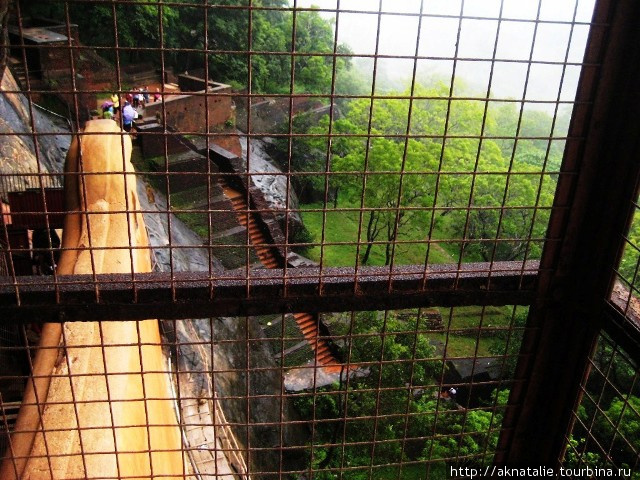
(190, 110)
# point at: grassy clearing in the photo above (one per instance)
(196, 221)
(467, 333)
(192, 198)
(469, 317)
(341, 241)
(463, 323)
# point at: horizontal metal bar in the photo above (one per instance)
(196, 295)
(621, 320)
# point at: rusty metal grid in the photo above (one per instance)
(604, 433)
(470, 193)
(399, 367)
(256, 272)
(625, 289)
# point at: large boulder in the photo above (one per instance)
(229, 355)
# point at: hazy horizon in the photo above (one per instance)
(557, 36)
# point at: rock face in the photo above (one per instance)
(22, 153)
(272, 183)
(190, 255)
(237, 366)
(240, 367)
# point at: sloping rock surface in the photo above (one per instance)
(271, 182)
(20, 151)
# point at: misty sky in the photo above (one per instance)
(555, 36)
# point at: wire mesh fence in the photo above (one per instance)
(604, 434)
(417, 391)
(384, 174)
(385, 149)
(625, 290)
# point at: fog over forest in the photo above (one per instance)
(555, 39)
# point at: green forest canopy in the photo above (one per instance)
(185, 31)
(464, 177)
(508, 197)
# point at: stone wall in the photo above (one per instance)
(192, 83)
(188, 113)
(268, 114)
(152, 140)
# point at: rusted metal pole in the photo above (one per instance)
(497, 283)
(576, 273)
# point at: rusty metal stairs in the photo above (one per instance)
(270, 257)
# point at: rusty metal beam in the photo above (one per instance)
(622, 322)
(195, 294)
(591, 213)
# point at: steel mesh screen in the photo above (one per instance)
(624, 294)
(383, 173)
(434, 137)
(605, 433)
(418, 392)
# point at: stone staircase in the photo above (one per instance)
(19, 72)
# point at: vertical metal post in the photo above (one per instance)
(590, 216)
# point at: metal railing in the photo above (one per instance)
(453, 235)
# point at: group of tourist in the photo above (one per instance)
(134, 100)
(139, 97)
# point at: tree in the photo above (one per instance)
(628, 267)
(394, 413)
(616, 430)
(394, 357)
(533, 123)
(494, 209)
(271, 40)
(469, 434)
(389, 167)
(235, 36)
(504, 212)
(137, 23)
(613, 425)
